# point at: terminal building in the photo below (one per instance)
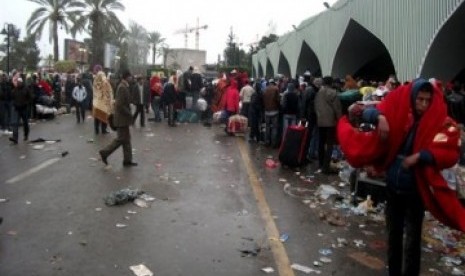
(372, 39)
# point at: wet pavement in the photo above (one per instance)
(218, 209)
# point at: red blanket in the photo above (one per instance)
(436, 133)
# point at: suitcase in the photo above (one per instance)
(237, 124)
(292, 151)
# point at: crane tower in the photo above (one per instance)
(188, 30)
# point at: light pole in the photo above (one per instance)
(6, 31)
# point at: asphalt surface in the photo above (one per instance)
(218, 209)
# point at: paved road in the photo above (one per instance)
(214, 199)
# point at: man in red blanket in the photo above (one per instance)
(414, 142)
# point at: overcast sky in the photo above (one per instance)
(249, 19)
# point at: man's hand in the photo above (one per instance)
(411, 160)
(383, 127)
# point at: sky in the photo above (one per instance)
(250, 20)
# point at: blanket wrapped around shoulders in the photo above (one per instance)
(102, 104)
(436, 133)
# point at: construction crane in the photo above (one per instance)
(188, 30)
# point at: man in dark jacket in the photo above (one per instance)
(328, 110)
(122, 120)
(137, 94)
(5, 104)
(21, 98)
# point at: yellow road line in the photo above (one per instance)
(279, 252)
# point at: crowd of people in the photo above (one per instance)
(413, 137)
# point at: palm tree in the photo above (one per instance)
(138, 47)
(99, 17)
(55, 13)
(154, 39)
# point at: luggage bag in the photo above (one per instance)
(292, 151)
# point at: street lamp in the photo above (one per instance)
(6, 31)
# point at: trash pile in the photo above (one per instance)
(337, 206)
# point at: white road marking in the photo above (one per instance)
(32, 170)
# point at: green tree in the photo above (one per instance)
(155, 39)
(99, 19)
(56, 13)
(25, 54)
(65, 66)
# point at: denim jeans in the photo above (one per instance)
(156, 101)
(288, 120)
(271, 125)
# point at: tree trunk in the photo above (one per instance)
(154, 52)
(55, 41)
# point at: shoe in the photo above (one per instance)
(104, 158)
(105, 132)
(13, 140)
(129, 164)
(26, 138)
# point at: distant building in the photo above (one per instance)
(183, 58)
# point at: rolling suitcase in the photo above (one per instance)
(292, 151)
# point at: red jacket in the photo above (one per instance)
(436, 133)
(232, 98)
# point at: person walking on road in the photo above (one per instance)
(80, 96)
(122, 120)
(22, 98)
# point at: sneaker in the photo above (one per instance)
(129, 164)
(103, 157)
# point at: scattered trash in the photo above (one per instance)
(359, 243)
(141, 203)
(364, 207)
(317, 263)
(41, 140)
(83, 243)
(325, 191)
(367, 260)
(22, 157)
(122, 197)
(151, 134)
(121, 225)
(3, 200)
(451, 261)
(297, 192)
(270, 163)
(457, 271)
(70, 233)
(304, 269)
(28, 203)
(38, 147)
(98, 209)
(132, 212)
(333, 218)
(141, 270)
(242, 213)
(325, 251)
(250, 253)
(90, 140)
(64, 153)
(325, 260)
(284, 237)
(12, 233)
(268, 269)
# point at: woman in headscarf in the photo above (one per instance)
(102, 105)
